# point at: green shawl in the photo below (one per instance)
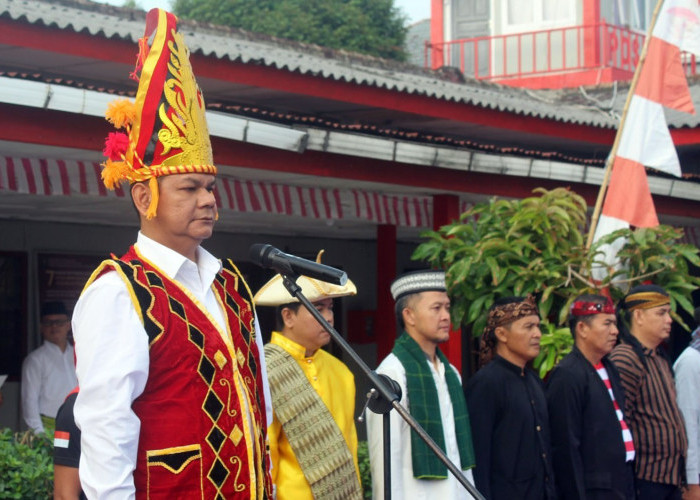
(425, 408)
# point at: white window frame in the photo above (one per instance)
(538, 23)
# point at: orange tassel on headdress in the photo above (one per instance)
(114, 172)
(121, 113)
(153, 206)
(140, 58)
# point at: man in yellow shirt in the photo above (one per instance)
(312, 439)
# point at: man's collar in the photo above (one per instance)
(297, 351)
(54, 345)
(170, 261)
(510, 366)
(648, 351)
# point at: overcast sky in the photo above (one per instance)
(416, 10)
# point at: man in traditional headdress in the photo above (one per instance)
(687, 370)
(593, 451)
(313, 440)
(508, 408)
(651, 410)
(172, 389)
(432, 391)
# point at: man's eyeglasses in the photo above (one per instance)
(54, 322)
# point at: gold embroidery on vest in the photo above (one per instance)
(257, 473)
(236, 435)
(195, 300)
(240, 357)
(232, 412)
(236, 461)
(220, 359)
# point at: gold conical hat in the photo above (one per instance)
(273, 293)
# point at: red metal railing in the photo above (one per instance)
(539, 53)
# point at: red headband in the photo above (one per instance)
(584, 308)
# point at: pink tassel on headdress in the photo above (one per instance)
(116, 145)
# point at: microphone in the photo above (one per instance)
(269, 257)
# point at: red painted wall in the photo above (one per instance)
(445, 211)
(437, 32)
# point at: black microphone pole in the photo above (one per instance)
(379, 384)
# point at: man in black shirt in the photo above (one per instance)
(507, 407)
(592, 445)
(66, 453)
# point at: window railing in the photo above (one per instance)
(547, 52)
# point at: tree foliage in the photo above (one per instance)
(536, 246)
(374, 27)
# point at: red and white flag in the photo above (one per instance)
(645, 140)
(61, 439)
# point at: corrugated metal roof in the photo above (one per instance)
(249, 48)
(95, 18)
(610, 98)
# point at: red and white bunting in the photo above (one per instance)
(51, 177)
(252, 196)
(412, 211)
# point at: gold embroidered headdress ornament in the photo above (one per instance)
(165, 130)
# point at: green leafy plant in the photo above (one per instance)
(26, 465)
(365, 470)
(554, 345)
(536, 246)
(653, 254)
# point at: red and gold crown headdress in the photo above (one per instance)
(165, 129)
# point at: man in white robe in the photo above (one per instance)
(422, 307)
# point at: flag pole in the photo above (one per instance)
(613, 152)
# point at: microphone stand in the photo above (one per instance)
(383, 391)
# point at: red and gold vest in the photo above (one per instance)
(202, 415)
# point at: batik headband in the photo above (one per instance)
(646, 300)
(503, 315)
(585, 308)
(507, 313)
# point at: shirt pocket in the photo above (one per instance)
(177, 469)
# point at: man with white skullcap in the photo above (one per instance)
(313, 397)
(431, 390)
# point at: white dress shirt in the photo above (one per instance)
(403, 484)
(113, 363)
(687, 372)
(48, 375)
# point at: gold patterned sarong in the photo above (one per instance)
(316, 439)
